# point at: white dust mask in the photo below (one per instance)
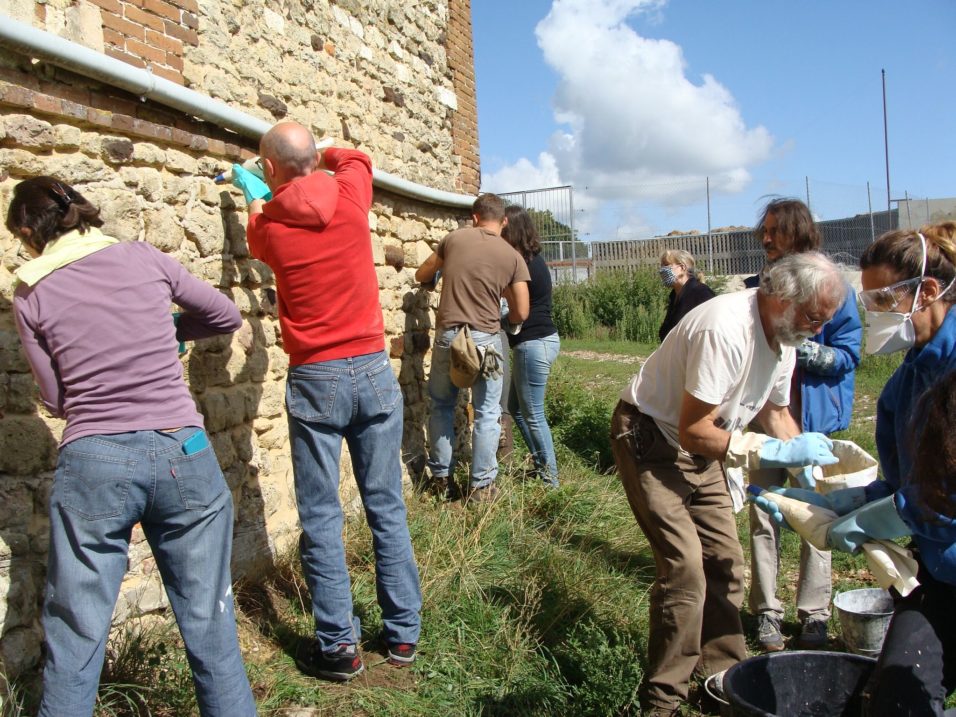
(889, 331)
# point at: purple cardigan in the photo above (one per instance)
(99, 336)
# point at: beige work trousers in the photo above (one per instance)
(815, 582)
(682, 505)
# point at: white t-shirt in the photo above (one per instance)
(719, 354)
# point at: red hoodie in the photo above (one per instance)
(315, 237)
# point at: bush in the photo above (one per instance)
(623, 305)
(579, 420)
(601, 668)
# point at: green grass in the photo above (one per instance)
(536, 605)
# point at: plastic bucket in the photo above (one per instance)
(797, 684)
(864, 617)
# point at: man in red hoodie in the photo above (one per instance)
(313, 232)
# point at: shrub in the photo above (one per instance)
(601, 668)
(579, 420)
(622, 305)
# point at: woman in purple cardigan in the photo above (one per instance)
(93, 314)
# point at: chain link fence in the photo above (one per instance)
(726, 251)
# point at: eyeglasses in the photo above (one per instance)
(887, 298)
(813, 323)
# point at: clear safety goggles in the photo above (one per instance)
(887, 298)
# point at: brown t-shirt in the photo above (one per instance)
(477, 265)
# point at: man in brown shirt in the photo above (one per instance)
(478, 268)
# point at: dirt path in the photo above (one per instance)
(595, 356)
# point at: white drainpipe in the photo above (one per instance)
(31, 41)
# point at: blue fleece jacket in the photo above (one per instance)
(921, 368)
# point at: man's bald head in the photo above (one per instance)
(290, 148)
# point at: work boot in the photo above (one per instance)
(769, 636)
(486, 494)
(813, 635)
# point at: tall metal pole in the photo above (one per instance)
(710, 237)
(909, 218)
(886, 149)
(807, 179)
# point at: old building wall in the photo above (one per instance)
(372, 74)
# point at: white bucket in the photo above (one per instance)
(856, 468)
(864, 618)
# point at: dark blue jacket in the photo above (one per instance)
(921, 368)
(826, 394)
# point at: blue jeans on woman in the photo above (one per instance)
(485, 398)
(104, 485)
(530, 367)
(357, 399)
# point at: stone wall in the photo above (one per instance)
(373, 74)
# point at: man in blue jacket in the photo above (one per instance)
(821, 401)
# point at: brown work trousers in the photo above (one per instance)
(682, 505)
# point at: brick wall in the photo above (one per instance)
(150, 33)
(461, 61)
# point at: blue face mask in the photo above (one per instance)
(668, 275)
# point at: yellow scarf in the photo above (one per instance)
(70, 247)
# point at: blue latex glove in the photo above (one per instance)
(878, 520)
(804, 476)
(773, 510)
(252, 187)
(804, 450)
(846, 500)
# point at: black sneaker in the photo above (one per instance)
(401, 655)
(341, 664)
(813, 635)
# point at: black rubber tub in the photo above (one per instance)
(797, 684)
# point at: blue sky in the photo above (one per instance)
(636, 102)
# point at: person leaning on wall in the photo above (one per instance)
(93, 314)
(478, 269)
(821, 401)
(688, 290)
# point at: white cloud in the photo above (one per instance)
(634, 126)
(523, 174)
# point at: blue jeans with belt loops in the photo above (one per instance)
(486, 399)
(359, 400)
(530, 367)
(104, 485)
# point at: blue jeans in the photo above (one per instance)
(530, 366)
(357, 399)
(104, 485)
(485, 397)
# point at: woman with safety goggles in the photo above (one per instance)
(908, 295)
